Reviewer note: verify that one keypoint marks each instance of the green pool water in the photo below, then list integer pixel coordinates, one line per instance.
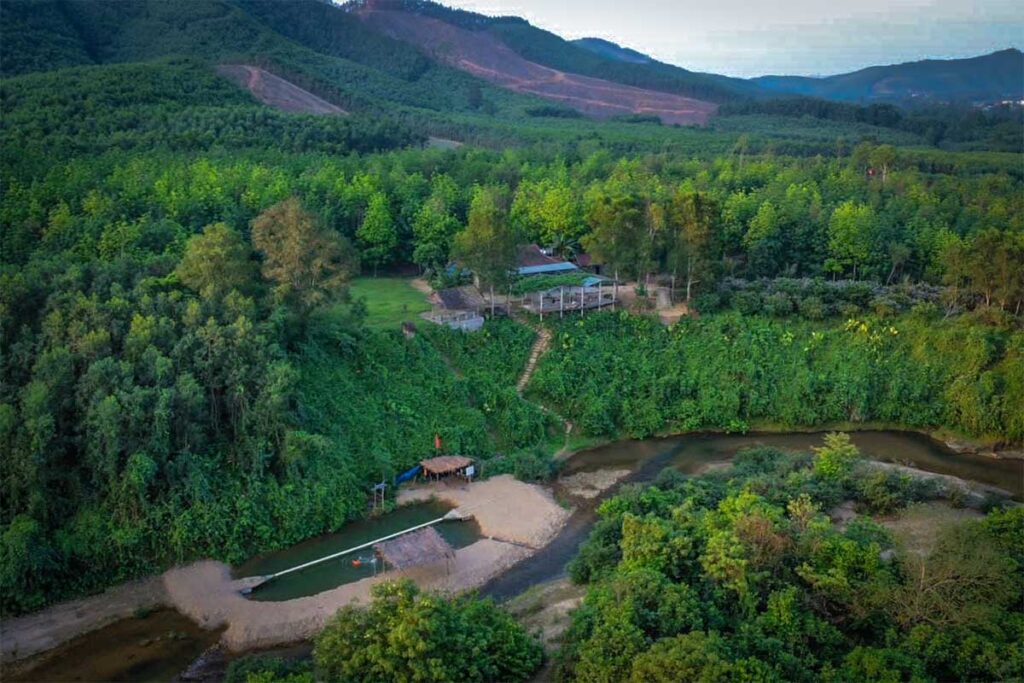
(334, 573)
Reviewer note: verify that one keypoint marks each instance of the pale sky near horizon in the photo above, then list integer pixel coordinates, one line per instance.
(797, 37)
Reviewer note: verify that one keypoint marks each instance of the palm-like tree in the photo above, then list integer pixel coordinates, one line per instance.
(565, 247)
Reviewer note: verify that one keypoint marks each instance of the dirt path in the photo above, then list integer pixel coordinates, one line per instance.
(275, 91)
(517, 518)
(540, 347)
(421, 285)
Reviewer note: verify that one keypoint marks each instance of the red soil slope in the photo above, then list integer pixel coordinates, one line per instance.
(482, 54)
(276, 92)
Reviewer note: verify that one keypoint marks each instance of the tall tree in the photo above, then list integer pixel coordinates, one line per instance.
(309, 264)
(217, 261)
(618, 229)
(488, 245)
(694, 217)
(851, 232)
(377, 235)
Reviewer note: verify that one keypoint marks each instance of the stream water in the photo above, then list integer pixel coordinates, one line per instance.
(156, 647)
(144, 650)
(692, 452)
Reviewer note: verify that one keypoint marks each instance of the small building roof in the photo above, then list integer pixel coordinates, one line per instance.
(417, 548)
(531, 260)
(458, 299)
(532, 255)
(445, 464)
(560, 267)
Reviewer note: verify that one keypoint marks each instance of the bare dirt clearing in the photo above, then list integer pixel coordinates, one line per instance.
(482, 54)
(918, 527)
(275, 91)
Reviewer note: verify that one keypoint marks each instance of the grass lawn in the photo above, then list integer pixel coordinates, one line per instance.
(389, 300)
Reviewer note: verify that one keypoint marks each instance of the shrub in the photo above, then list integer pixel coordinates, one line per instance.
(747, 303)
(778, 304)
(812, 308)
(405, 634)
(260, 668)
(835, 460)
(849, 310)
(708, 302)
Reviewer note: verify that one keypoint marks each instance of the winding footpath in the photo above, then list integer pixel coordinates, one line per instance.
(540, 347)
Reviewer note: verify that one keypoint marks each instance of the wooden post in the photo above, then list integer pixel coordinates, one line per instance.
(615, 289)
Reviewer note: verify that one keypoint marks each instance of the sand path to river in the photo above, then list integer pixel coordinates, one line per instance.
(516, 518)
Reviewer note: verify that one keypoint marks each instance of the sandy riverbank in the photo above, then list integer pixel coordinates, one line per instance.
(34, 633)
(518, 518)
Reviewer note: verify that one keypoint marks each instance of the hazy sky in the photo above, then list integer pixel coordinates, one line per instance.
(806, 37)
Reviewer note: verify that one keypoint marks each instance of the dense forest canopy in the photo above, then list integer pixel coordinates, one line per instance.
(741, 576)
(184, 373)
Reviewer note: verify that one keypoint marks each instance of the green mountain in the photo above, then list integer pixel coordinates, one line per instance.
(993, 77)
(314, 44)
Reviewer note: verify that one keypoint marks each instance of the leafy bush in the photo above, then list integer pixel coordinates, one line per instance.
(778, 304)
(707, 302)
(740, 575)
(407, 635)
(269, 669)
(747, 303)
(812, 308)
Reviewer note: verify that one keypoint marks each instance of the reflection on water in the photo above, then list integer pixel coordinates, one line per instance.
(690, 453)
(343, 570)
(154, 648)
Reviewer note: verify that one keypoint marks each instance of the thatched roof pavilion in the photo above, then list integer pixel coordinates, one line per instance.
(445, 464)
(420, 547)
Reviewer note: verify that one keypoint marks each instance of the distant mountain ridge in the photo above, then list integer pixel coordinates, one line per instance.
(991, 77)
(424, 59)
(607, 48)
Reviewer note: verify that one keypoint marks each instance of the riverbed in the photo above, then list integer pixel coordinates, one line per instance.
(695, 453)
(640, 460)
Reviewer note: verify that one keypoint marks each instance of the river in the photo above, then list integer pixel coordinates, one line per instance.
(113, 653)
(693, 452)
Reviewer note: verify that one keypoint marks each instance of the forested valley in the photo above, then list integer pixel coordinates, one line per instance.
(185, 372)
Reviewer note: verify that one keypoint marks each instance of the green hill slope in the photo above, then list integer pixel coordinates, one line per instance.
(995, 76)
(314, 44)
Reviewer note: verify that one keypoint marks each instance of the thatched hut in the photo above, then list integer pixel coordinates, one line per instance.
(422, 547)
(445, 465)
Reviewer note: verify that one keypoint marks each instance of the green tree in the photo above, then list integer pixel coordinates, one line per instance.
(851, 236)
(488, 245)
(217, 261)
(408, 635)
(693, 250)
(309, 264)
(835, 460)
(377, 235)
